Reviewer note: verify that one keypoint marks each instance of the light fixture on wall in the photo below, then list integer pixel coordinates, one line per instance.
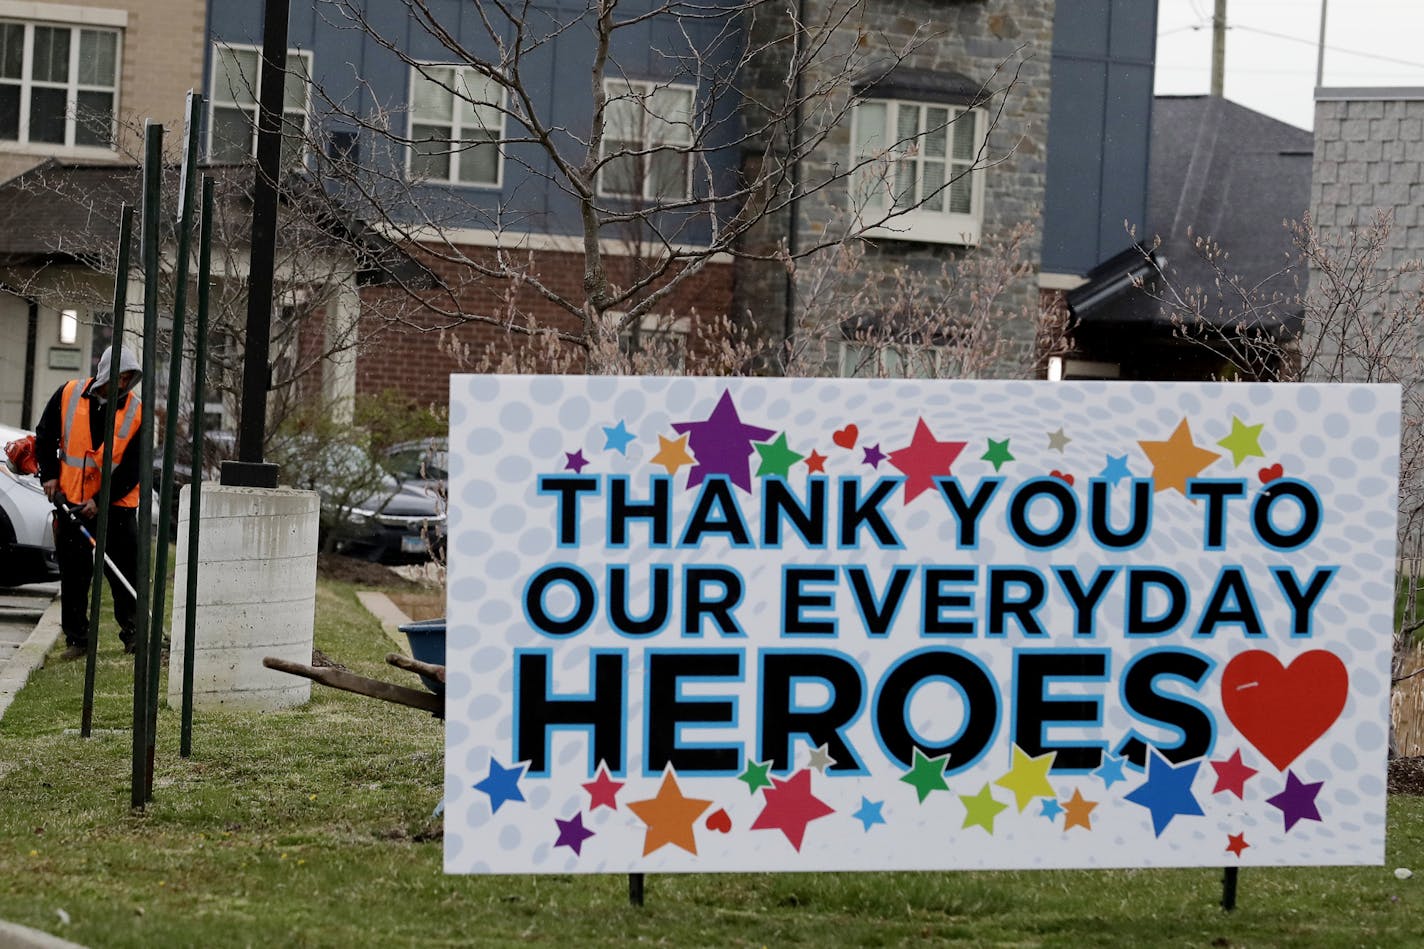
(68, 327)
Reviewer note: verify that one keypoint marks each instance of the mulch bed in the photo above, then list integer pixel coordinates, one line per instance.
(363, 572)
(1406, 776)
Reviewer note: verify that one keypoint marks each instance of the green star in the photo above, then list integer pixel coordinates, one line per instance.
(1028, 778)
(997, 454)
(1243, 442)
(776, 458)
(756, 775)
(926, 774)
(981, 809)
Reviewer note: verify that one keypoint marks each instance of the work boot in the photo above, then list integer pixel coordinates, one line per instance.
(73, 651)
(129, 647)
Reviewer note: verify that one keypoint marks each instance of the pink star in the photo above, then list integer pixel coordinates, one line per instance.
(603, 790)
(1231, 775)
(923, 460)
(790, 806)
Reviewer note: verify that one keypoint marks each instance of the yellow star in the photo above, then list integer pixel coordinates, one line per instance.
(1077, 811)
(670, 817)
(672, 453)
(1028, 778)
(981, 809)
(1177, 459)
(1243, 442)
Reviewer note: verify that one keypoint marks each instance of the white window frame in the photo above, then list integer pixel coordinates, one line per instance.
(27, 83)
(418, 74)
(218, 91)
(644, 89)
(873, 176)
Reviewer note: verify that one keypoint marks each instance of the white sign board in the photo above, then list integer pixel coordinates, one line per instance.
(703, 624)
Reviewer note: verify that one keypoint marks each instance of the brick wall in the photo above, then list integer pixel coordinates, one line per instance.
(414, 350)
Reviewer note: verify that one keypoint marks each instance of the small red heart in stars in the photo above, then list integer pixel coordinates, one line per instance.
(1061, 475)
(720, 821)
(846, 437)
(1267, 475)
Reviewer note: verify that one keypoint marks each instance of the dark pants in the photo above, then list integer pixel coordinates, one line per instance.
(76, 573)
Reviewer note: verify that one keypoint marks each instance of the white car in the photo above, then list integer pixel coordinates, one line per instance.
(26, 538)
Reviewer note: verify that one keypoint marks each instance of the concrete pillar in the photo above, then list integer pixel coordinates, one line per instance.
(256, 596)
(338, 378)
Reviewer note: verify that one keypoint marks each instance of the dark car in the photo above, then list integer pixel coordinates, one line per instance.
(403, 519)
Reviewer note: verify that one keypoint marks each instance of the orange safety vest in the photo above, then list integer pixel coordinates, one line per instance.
(81, 465)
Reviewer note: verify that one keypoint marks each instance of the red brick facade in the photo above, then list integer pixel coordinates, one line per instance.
(416, 352)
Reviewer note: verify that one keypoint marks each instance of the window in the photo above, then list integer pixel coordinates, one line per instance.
(68, 327)
(58, 84)
(236, 91)
(660, 340)
(895, 360)
(917, 161)
(647, 141)
(456, 125)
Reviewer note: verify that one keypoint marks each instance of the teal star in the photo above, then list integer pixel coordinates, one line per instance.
(1111, 770)
(617, 437)
(870, 813)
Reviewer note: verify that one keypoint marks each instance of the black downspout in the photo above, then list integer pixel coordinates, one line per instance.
(793, 206)
(32, 339)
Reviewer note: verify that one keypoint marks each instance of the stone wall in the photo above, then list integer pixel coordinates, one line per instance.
(1003, 44)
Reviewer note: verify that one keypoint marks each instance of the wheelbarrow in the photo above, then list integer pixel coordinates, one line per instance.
(427, 660)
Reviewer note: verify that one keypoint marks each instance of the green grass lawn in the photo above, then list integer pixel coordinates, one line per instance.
(311, 827)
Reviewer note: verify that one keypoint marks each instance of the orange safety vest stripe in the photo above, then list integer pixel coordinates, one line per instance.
(81, 465)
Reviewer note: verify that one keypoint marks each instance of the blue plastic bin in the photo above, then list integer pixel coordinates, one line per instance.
(427, 643)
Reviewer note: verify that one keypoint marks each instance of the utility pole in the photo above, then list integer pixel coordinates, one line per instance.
(1218, 50)
(1320, 55)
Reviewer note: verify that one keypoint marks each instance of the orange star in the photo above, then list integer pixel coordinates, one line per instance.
(670, 817)
(1076, 811)
(672, 454)
(815, 462)
(1177, 459)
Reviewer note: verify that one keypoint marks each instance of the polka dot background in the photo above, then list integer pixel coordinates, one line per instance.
(506, 432)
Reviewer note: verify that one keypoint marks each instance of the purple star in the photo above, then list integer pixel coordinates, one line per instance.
(572, 833)
(575, 462)
(1297, 802)
(723, 444)
(873, 456)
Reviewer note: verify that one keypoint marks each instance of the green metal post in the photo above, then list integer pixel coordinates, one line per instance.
(101, 531)
(152, 189)
(195, 485)
(170, 431)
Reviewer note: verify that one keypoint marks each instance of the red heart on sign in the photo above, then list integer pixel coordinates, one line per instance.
(845, 438)
(1267, 475)
(720, 821)
(1282, 710)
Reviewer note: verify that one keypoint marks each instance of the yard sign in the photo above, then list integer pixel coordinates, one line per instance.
(782, 624)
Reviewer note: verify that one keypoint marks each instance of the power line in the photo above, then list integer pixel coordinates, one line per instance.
(1334, 49)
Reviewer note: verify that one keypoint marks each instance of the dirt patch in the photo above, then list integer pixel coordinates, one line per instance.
(1406, 776)
(419, 604)
(363, 572)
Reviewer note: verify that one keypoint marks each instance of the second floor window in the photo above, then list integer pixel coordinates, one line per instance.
(236, 91)
(58, 84)
(916, 161)
(647, 141)
(456, 125)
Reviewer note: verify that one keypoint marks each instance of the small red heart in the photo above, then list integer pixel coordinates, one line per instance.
(1267, 475)
(846, 437)
(720, 821)
(1282, 710)
(1061, 476)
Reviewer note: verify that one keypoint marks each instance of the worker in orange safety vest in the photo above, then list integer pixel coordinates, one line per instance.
(70, 443)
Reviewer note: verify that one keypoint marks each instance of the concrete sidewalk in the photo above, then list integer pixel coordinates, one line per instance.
(29, 627)
(15, 936)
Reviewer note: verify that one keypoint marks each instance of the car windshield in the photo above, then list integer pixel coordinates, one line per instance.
(418, 463)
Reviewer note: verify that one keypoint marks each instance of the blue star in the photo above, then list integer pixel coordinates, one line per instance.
(502, 785)
(1116, 469)
(1111, 770)
(1051, 808)
(617, 437)
(869, 814)
(1168, 791)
